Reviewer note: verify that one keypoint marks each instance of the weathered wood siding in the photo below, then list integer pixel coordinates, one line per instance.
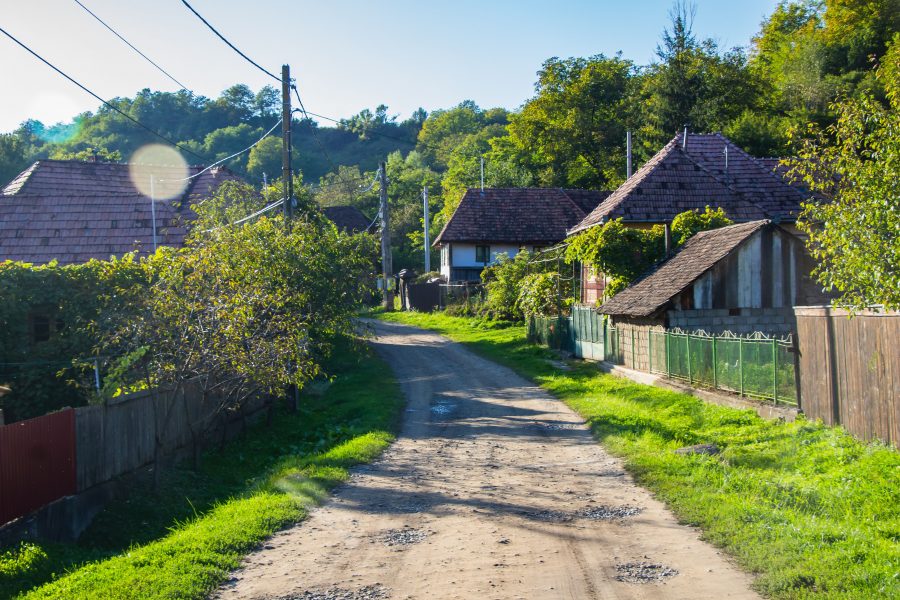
(768, 271)
(850, 370)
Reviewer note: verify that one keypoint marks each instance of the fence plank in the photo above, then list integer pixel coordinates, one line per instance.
(849, 370)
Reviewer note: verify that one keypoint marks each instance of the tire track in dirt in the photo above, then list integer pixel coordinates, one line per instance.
(499, 478)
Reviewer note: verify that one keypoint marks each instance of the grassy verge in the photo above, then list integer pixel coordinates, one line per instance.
(181, 542)
(813, 512)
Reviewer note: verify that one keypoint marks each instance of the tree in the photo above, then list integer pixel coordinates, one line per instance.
(572, 133)
(694, 84)
(854, 163)
(12, 157)
(267, 102)
(265, 157)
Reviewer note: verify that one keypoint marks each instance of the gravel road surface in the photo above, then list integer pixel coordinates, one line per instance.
(494, 489)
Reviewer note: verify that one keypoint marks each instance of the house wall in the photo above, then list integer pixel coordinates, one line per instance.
(770, 321)
(456, 256)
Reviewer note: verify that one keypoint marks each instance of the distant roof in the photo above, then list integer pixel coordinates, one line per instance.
(73, 211)
(347, 218)
(518, 215)
(681, 178)
(653, 290)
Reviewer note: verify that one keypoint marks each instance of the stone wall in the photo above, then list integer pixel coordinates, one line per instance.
(770, 321)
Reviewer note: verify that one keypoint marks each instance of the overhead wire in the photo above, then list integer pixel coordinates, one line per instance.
(230, 45)
(227, 158)
(130, 45)
(104, 102)
(265, 209)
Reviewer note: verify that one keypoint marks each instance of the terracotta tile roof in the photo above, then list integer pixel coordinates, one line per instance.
(73, 211)
(677, 179)
(347, 218)
(518, 215)
(654, 289)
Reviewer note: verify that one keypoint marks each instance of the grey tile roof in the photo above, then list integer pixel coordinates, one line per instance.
(653, 290)
(73, 211)
(677, 179)
(518, 215)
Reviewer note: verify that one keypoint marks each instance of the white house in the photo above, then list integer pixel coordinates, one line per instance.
(497, 221)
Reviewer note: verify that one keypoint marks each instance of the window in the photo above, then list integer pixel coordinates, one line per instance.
(483, 254)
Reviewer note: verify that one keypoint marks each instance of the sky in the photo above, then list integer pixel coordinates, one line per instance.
(346, 55)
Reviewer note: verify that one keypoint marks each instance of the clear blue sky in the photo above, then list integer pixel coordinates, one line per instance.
(345, 54)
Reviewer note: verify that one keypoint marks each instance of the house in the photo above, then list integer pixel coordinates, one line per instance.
(348, 219)
(744, 278)
(497, 221)
(73, 211)
(693, 172)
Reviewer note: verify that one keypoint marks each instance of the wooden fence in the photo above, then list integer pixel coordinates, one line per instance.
(46, 458)
(37, 463)
(850, 370)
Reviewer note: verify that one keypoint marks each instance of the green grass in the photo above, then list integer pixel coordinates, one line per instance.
(182, 541)
(807, 508)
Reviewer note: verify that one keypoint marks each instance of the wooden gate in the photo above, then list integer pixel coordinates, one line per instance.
(37, 463)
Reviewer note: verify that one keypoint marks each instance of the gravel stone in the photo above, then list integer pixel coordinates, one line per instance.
(401, 537)
(610, 513)
(643, 572)
(370, 592)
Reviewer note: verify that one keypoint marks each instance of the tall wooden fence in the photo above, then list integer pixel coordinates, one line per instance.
(37, 463)
(850, 370)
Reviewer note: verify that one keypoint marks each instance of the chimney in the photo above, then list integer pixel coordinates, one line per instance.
(684, 139)
(628, 155)
(668, 239)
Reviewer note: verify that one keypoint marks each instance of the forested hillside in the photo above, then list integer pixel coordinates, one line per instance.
(571, 133)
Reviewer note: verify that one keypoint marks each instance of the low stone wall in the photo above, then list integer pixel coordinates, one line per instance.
(742, 321)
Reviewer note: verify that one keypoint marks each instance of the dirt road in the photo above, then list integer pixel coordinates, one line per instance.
(493, 490)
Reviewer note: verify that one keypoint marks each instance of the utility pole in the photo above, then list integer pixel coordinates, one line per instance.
(288, 181)
(427, 241)
(293, 392)
(387, 267)
(153, 208)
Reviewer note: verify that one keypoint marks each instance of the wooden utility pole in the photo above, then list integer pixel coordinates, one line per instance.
(427, 240)
(288, 180)
(387, 267)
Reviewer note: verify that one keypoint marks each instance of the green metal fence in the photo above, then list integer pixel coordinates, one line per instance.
(553, 332)
(755, 366)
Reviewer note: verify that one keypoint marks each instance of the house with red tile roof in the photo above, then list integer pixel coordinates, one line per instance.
(497, 221)
(691, 173)
(73, 211)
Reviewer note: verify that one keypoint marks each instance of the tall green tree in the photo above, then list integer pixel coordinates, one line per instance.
(572, 133)
(855, 164)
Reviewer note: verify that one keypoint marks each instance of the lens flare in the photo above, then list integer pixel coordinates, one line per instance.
(158, 171)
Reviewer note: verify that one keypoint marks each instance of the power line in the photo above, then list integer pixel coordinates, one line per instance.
(239, 152)
(130, 45)
(111, 106)
(230, 45)
(377, 133)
